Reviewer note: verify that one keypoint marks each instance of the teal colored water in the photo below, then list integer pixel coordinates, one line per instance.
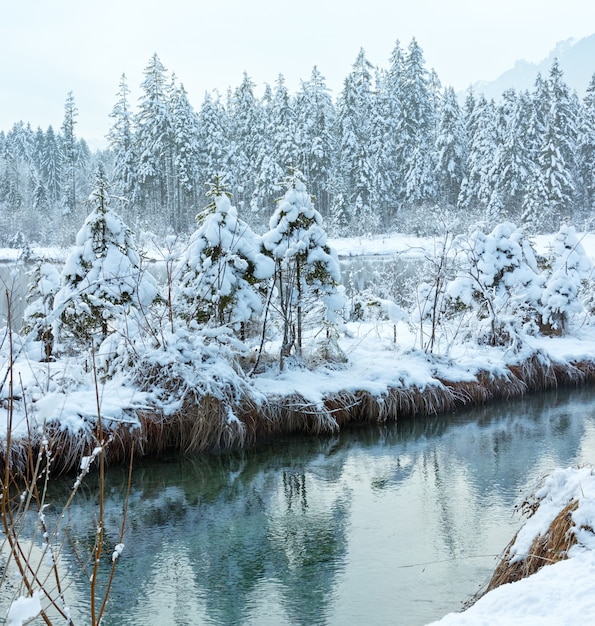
(398, 524)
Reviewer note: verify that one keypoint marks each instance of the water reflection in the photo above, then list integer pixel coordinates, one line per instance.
(379, 525)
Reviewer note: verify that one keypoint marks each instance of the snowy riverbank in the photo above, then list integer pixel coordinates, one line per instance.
(172, 386)
(559, 593)
(380, 380)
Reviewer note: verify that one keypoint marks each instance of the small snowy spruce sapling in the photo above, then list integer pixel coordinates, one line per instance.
(222, 271)
(567, 270)
(45, 283)
(306, 269)
(102, 280)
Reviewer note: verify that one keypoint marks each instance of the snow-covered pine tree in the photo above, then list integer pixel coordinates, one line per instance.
(384, 139)
(586, 150)
(567, 267)
(245, 123)
(52, 161)
(214, 151)
(269, 171)
(355, 176)
(450, 149)
(70, 154)
(315, 119)
(498, 280)
(44, 284)
(513, 160)
(153, 142)
(280, 150)
(306, 269)
(477, 185)
(185, 166)
(221, 275)
(122, 144)
(102, 280)
(416, 129)
(554, 174)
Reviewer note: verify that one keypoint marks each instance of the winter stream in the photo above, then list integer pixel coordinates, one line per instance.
(383, 525)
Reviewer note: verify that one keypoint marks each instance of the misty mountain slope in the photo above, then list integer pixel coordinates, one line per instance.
(575, 59)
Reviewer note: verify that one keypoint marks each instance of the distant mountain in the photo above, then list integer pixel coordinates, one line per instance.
(576, 59)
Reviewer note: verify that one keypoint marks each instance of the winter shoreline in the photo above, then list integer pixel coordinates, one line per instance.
(260, 413)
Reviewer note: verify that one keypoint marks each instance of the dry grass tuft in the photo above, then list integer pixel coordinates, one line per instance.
(213, 414)
(293, 413)
(546, 549)
(536, 373)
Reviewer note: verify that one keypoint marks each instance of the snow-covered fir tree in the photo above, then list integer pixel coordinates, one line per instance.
(586, 149)
(498, 281)
(383, 142)
(212, 140)
(70, 155)
(512, 166)
(185, 157)
(44, 284)
(153, 140)
(450, 149)
(355, 175)
(220, 277)
(554, 173)
(477, 185)
(102, 279)
(122, 144)
(245, 120)
(52, 159)
(567, 268)
(316, 154)
(277, 149)
(306, 269)
(416, 129)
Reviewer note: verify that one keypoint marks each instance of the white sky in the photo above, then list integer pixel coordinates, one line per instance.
(51, 47)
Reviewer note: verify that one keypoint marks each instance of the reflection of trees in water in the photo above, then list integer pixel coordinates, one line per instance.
(221, 528)
(218, 528)
(307, 536)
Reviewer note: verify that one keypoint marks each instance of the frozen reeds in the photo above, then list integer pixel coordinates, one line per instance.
(546, 549)
(200, 412)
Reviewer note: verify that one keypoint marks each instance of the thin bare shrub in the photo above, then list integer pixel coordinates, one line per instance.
(34, 578)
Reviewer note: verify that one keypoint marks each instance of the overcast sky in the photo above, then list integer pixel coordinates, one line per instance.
(51, 47)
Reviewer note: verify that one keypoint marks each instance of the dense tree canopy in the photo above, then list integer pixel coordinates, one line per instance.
(392, 146)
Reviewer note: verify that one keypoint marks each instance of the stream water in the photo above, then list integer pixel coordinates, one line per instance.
(397, 524)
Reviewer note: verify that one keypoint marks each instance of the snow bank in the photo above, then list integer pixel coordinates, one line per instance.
(561, 593)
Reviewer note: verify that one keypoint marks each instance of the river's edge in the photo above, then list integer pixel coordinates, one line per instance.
(545, 574)
(203, 424)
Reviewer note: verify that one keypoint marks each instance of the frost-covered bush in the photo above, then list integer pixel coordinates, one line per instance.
(567, 269)
(102, 280)
(222, 273)
(498, 280)
(306, 269)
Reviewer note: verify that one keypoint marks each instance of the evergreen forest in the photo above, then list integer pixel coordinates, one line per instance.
(394, 151)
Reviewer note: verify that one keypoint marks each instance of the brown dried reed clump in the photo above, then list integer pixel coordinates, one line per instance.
(551, 547)
(217, 414)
